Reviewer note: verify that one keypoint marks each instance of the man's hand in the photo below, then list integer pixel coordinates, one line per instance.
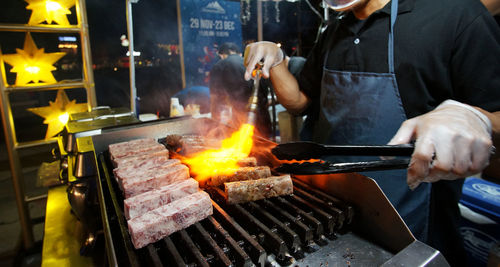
(267, 51)
(452, 141)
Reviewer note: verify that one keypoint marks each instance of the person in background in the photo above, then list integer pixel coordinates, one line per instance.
(396, 72)
(195, 95)
(230, 92)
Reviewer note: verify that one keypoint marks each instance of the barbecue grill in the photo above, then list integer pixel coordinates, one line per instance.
(335, 219)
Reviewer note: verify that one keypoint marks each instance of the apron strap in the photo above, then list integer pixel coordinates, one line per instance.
(390, 54)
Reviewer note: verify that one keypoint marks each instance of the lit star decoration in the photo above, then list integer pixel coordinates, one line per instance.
(57, 113)
(32, 64)
(49, 11)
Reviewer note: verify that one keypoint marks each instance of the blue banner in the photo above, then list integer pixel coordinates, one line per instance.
(205, 25)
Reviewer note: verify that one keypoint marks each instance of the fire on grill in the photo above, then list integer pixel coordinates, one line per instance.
(160, 200)
(241, 221)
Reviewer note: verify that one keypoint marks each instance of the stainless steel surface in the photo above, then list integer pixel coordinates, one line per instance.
(417, 254)
(376, 218)
(347, 250)
(155, 129)
(85, 164)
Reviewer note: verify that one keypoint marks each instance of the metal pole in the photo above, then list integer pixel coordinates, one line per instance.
(14, 163)
(130, 32)
(88, 73)
(259, 21)
(181, 45)
(326, 11)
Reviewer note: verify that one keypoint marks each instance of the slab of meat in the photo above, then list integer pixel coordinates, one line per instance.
(139, 174)
(251, 190)
(142, 203)
(152, 161)
(247, 162)
(133, 147)
(242, 173)
(137, 151)
(190, 144)
(154, 179)
(126, 161)
(170, 218)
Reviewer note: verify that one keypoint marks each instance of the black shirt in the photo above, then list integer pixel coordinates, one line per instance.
(444, 49)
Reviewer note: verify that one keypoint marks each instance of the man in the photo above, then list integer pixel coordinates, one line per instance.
(230, 92)
(381, 62)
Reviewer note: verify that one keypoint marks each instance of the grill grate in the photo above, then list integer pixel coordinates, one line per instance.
(276, 231)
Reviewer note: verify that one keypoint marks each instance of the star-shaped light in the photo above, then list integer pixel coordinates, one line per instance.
(57, 113)
(32, 64)
(50, 11)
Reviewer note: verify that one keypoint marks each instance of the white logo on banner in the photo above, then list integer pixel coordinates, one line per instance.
(488, 191)
(214, 7)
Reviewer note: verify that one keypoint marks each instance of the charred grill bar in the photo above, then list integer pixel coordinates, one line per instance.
(311, 227)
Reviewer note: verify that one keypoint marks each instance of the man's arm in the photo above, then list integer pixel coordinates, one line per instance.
(287, 89)
(284, 83)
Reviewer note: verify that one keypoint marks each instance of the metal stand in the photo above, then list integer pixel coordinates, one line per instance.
(8, 121)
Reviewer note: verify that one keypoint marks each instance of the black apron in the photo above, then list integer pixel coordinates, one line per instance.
(365, 108)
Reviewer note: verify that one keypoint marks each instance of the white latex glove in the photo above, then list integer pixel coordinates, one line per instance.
(452, 141)
(255, 52)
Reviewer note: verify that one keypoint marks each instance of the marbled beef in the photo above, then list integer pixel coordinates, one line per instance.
(170, 218)
(154, 179)
(142, 203)
(126, 161)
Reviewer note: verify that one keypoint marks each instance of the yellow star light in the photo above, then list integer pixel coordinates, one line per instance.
(32, 64)
(57, 113)
(50, 11)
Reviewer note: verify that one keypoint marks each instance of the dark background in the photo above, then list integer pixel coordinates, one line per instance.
(158, 71)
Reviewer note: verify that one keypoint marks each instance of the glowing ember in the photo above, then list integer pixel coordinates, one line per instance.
(208, 163)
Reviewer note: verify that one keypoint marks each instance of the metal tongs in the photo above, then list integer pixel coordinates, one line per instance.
(311, 150)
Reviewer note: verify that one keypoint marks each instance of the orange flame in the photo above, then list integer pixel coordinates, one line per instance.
(223, 161)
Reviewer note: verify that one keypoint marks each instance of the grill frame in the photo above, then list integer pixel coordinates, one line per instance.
(382, 229)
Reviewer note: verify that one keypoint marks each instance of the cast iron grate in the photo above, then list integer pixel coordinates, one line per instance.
(276, 231)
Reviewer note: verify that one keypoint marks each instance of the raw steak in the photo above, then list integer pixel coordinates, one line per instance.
(170, 218)
(154, 180)
(136, 151)
(142, 203)
(139, 173)
(122, 162)
(128, 148)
